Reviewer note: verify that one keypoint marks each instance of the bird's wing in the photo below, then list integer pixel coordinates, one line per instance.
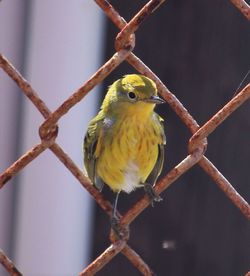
(91, 149)
(158, 166)
(160, 159)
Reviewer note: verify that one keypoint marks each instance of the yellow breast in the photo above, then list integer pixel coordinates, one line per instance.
(128, 154)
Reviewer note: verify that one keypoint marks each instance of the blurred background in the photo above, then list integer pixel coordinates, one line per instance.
(49, 225)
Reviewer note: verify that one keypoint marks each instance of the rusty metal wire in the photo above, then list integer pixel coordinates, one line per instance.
(8, 265)
(243, 7)
(124, 45)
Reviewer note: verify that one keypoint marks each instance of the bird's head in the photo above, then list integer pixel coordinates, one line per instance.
(132, 94)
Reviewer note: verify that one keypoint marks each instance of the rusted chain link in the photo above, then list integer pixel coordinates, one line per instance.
(104, 258)
(243, 7)
(8, 265)
(225, 186)
(124, 45)
(99, 76)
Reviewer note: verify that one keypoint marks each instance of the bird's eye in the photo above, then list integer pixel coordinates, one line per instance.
(131, 95)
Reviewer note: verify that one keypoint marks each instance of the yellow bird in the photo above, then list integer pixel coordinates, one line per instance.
(124, 143)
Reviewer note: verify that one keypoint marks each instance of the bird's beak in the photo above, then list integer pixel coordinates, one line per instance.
(155, 100)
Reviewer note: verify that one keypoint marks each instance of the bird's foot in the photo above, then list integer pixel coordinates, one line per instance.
(149, 190)
(116, 226)
(120, 232)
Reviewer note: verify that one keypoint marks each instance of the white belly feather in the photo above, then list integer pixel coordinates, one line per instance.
(131, 178)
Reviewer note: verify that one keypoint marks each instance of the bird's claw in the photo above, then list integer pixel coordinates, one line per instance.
(116, 227)
(120, 232)
(149, 190)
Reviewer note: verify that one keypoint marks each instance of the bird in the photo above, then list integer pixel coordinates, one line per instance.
(124, 143)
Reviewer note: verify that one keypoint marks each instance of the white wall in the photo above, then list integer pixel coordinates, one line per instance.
(11, 40)
(54, 213)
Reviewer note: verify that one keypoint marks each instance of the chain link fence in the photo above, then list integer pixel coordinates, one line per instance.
(124, 45)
